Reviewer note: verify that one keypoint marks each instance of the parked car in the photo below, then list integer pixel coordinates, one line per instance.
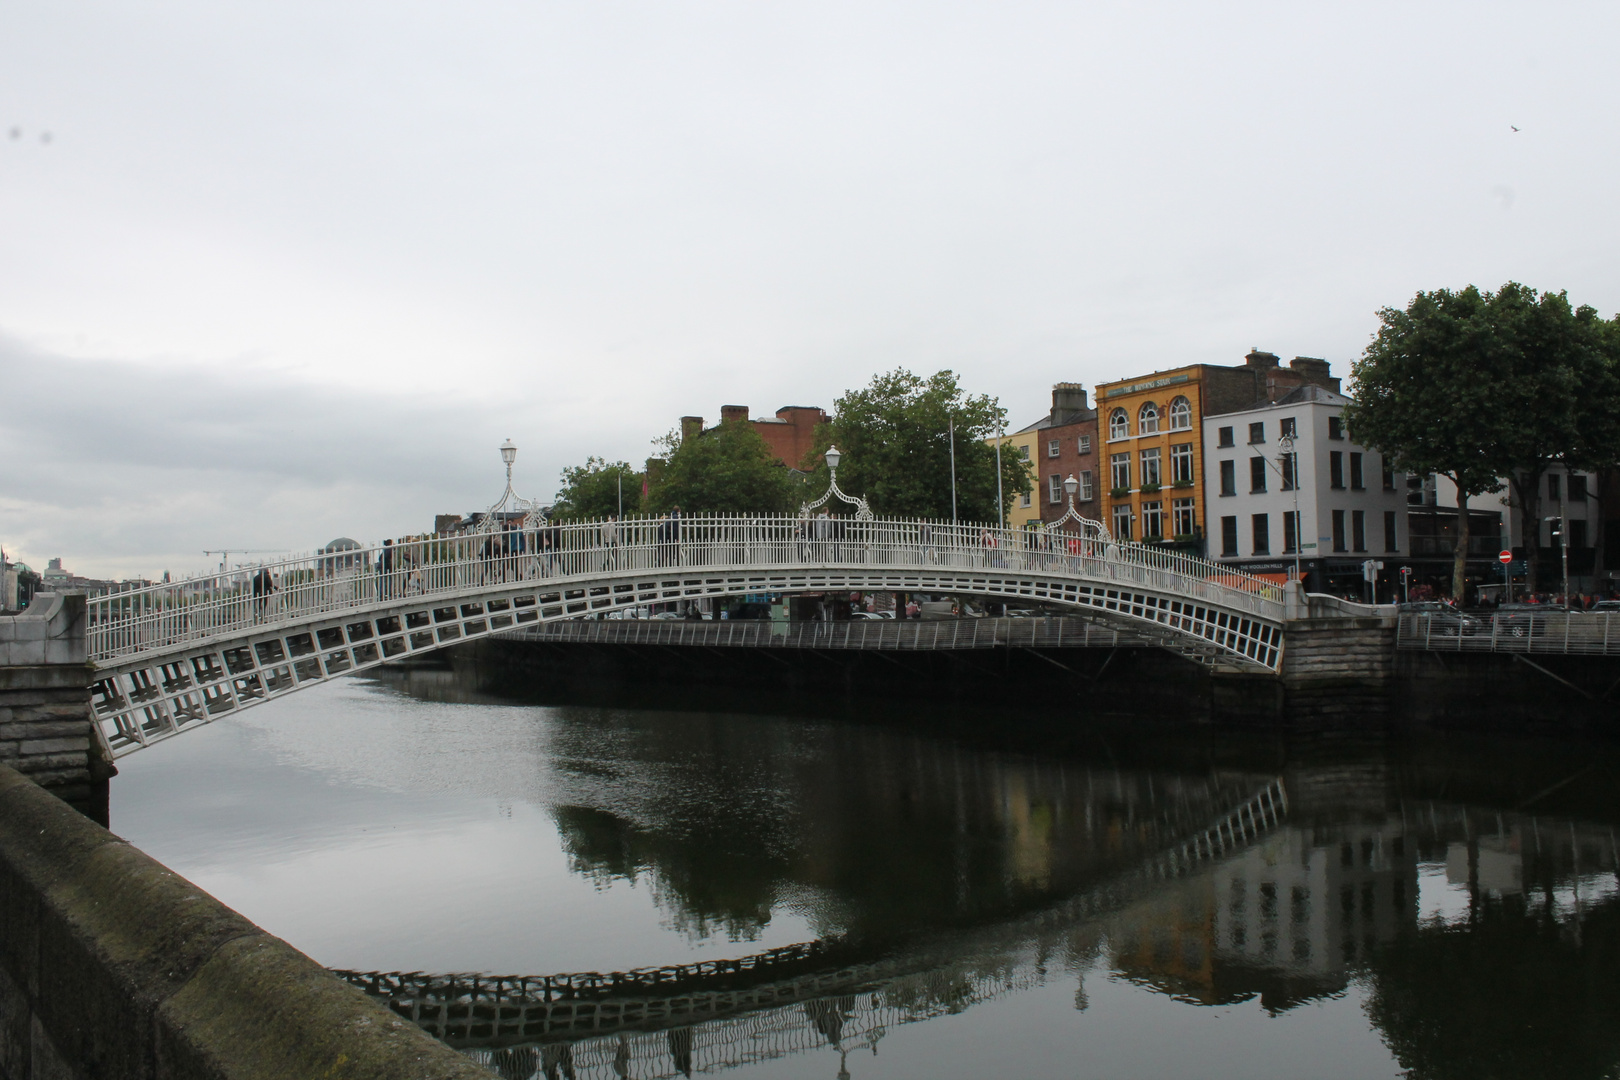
(1443, 619)
(1606, 605)
(1522, 620)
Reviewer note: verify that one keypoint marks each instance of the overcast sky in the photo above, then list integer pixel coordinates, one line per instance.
(274, 273)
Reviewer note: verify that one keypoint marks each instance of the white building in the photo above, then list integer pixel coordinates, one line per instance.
(1348, 508)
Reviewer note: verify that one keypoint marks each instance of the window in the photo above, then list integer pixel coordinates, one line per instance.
(1150, 467)
(1290, 471)
(1086, 494)
(1338, 530)
(1023, 451)
(1552, 487)
(1389, 474)
(1290, 532)
(1180, 415)
(1577, 488)
(1181, 465)
(1223, 437)
(1118, 426)
(1262, 534)
(1358, 530)
(1392, 542)
(1122, 523)
(1052, 448)
(1119, 466)
(1257, 433)
(1182, 521)
(1147, 419)
(1335, 427)
(1257, 475)
(1229, 477)
(1229, 536)
(1023, 501)
(1082, 445)
(1336, 470)
(1577, 534)
(1054, 489)
(1287, 429)
(1357, 481)
(1153, 520)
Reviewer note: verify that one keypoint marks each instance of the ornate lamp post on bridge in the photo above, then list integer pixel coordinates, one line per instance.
(493, 517)
(863, 512)
(1088, 527)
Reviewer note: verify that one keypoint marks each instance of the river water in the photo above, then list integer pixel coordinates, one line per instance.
(911, 898)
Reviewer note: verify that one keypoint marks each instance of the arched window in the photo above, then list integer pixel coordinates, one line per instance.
(1147, 421)
(1118, 426)
(1180, 415)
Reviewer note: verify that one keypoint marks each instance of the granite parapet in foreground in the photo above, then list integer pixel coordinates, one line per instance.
(112, 965)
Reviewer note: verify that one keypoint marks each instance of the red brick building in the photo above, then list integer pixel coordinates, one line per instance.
(1061, 444)
(790, 433)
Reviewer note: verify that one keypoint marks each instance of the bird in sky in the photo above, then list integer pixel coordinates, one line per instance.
(1514, 128)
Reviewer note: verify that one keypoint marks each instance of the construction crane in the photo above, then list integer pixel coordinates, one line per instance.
(226, 553)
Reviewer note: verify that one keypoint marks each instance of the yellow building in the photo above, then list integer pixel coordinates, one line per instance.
(1151, 431)
(1025, 508)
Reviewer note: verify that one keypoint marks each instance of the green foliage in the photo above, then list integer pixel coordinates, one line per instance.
(727, 470)
(592, 490)
(1477, 386)
(896, 452)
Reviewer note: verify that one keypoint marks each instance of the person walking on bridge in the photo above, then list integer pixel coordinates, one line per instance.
(263, 586)
(385, 571)
(610, 543)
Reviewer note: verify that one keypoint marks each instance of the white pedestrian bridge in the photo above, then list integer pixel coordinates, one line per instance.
(177, 655)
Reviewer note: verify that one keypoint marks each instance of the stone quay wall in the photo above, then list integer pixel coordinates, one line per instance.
(112, 965)
(47, 730)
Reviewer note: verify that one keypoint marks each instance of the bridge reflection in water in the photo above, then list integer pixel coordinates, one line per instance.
(1271, 902)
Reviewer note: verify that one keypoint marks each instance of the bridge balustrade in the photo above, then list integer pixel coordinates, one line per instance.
(308, 587)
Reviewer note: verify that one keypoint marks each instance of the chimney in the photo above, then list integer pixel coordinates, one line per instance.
(1068, 398)
(1314, 371)
(1261, 360)
(691, 427)
(733, 412)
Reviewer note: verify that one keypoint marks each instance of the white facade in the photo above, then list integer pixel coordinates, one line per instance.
(1348, 508)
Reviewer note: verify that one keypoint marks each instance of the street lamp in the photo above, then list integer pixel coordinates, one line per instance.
(1290, 473)
(833, 458)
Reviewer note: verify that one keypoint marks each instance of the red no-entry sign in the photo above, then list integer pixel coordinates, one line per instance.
(1505, 557)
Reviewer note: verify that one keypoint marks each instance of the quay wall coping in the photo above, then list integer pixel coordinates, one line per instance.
(50, 631)
(113, 965)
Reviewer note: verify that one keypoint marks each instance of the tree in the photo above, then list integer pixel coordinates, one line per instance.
(1426, 397)
(1476, 386)
(1559, 397)
(597, 489)
(895, 437)
(726, 470)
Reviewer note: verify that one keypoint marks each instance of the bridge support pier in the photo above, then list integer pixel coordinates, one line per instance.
(1339, 671)
(47, 730)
